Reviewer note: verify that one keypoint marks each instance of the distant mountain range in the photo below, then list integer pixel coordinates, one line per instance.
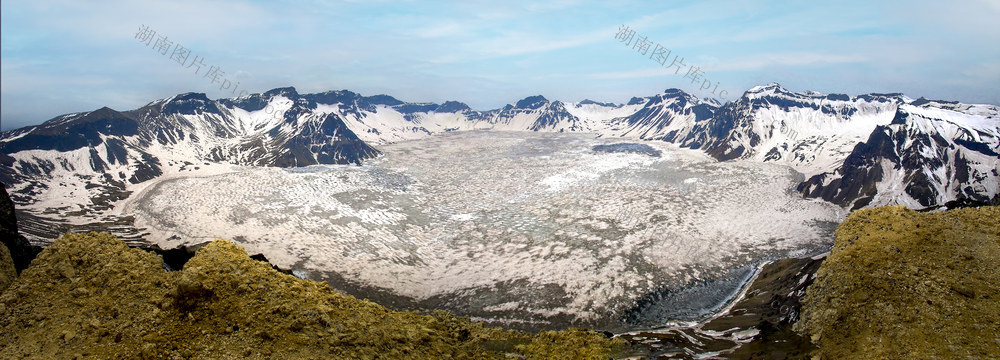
(855, 151)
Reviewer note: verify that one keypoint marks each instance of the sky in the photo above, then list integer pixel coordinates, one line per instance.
(59, 57)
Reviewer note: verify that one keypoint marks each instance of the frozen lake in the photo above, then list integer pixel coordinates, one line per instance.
(523, 229)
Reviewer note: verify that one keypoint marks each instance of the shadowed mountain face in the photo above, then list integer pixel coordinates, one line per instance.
(21, 252)
(855, 151)
(81, 164)
(217, 131)
(930, 155)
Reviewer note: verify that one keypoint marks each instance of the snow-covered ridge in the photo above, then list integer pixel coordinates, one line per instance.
(108, 153)
(927, 155)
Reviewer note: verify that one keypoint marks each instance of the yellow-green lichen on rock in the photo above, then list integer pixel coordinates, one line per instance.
(90, 296)
(901, 284)
(568, 344)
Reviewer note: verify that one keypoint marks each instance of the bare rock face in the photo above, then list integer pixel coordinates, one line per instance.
(19, 249)
(901, 284)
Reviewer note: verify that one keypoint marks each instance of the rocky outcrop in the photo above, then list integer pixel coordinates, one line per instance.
(19, 249)
(91, 296)
(7, 272)
(901, 284)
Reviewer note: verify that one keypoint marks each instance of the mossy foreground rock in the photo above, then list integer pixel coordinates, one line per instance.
(900, 284)
(90, 296)
(7, 272)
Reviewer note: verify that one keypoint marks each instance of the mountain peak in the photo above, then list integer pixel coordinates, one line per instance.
(531, 102)
(636, 100)
(453, 106)
(768, 88)
(190, 96)
(287, 91)
(674, 92)
(592, 102)
(382, 99)
(925, 101)
(189, 103)
(773, 90)
(96, 115)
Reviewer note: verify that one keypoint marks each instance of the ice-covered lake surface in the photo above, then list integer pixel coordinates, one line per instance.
(522, 229)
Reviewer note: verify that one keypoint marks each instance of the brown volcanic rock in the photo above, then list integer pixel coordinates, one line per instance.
(90, 296)
(900, 284)
(7, 272)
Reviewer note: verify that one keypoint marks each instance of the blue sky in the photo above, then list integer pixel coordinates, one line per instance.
(68, 56)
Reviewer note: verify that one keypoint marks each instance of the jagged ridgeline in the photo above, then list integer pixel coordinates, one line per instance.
(851, 150)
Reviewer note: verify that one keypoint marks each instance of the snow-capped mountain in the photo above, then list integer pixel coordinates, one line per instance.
(810, 132)
(110, 148)
(930, 153)
(81, 164)
(935, 152)
(856, 151)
